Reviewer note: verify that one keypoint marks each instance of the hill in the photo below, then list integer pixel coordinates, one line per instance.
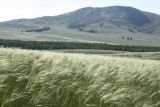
(47, 79)
(108, 24)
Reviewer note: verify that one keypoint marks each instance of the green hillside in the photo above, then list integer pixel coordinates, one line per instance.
(108, 24)
(54, 79)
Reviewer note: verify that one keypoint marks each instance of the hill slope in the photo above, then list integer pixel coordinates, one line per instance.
(108, 24)
(46, 79)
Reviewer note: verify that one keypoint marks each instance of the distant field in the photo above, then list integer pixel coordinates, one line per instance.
(72, 35)
(55, 45)
(56, 79)
(139, 55)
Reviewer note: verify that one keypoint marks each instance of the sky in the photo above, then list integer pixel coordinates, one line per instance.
(15, 9)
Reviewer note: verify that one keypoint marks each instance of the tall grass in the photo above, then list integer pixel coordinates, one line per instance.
(48, 79)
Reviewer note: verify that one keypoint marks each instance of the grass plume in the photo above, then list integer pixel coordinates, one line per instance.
(50, 79)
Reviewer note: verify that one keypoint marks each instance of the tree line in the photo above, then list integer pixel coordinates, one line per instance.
(37, 30)
(52, 45)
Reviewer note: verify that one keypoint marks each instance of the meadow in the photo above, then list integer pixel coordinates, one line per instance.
(113, 53)
(113, 36)
(56, 79)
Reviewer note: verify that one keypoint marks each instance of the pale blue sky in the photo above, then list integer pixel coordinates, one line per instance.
(14, 9)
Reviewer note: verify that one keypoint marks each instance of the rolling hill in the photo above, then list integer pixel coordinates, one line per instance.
(113, 25)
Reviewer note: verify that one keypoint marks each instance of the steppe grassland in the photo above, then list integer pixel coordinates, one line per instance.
(53, 79)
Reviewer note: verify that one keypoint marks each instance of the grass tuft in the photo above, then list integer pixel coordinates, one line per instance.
(50, 79)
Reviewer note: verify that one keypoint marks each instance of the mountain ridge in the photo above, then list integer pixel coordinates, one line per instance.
(89, 24)
(117, 15)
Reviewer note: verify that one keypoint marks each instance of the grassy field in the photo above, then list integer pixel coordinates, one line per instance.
(139, 55)
(72, 35)
(56, 79)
